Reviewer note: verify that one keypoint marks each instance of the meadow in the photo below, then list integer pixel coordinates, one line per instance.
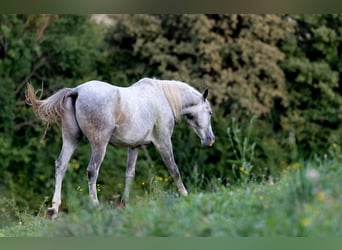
(305, 201)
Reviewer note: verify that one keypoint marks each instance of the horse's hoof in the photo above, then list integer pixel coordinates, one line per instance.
(51, 213)
(121, 204)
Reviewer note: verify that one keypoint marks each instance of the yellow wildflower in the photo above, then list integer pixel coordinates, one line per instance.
(295, 165)
(320, 196)
(305, 222)
(187, 235)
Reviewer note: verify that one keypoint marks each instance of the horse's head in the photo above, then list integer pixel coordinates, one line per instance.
(198, 117)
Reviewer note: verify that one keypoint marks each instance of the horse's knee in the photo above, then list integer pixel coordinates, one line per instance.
(174, 172)
(60, 167)
(130, 176)
(58, 163)
(90, 173)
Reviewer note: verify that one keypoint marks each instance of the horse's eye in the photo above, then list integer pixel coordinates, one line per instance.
(210, 112)
(189, 116)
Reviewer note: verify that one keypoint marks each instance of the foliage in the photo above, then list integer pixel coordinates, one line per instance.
(313, 77)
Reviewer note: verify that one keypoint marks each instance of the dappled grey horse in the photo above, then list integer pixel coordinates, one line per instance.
(134, 116)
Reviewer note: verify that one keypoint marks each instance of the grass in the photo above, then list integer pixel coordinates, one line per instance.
(305, 201)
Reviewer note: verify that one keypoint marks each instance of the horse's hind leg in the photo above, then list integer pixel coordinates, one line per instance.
(98, 151)
(71, 136)
(130, 173)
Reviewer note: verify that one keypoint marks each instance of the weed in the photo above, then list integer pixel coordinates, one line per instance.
(243, 150)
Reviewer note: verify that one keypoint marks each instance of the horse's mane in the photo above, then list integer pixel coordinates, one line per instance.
(172, 93)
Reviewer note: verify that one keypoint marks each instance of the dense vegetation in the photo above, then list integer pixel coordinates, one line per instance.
(305, 202)
(274, 80)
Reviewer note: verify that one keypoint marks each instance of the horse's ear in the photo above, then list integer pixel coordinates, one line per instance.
(205, 93)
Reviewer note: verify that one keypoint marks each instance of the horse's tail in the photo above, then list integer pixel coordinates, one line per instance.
(49, 110)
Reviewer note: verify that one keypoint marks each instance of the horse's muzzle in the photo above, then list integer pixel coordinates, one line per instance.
(208, 142)
(212, 141)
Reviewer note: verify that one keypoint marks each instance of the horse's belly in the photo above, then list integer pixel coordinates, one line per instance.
(130, 139)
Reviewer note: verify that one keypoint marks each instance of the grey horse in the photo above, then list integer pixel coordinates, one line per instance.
(121, 116)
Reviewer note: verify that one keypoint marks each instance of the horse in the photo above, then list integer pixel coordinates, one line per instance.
(133, 116)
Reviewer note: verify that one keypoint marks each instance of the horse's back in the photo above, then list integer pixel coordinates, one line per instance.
(94, 87)
(96, 95)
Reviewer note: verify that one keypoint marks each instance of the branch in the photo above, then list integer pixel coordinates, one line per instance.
(36, 67)
(22, 124)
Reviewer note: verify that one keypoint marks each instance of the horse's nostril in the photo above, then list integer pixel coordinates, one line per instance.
(210, 141)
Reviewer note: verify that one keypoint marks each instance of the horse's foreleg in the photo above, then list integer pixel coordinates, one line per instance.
(165, 150)
(130, 173)
(97, 156)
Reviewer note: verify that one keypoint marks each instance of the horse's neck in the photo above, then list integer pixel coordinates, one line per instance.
(189, 96)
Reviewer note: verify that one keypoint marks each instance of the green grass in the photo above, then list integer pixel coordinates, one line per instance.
(305, 201)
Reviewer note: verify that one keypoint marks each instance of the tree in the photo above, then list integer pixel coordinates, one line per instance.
(313, 72)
